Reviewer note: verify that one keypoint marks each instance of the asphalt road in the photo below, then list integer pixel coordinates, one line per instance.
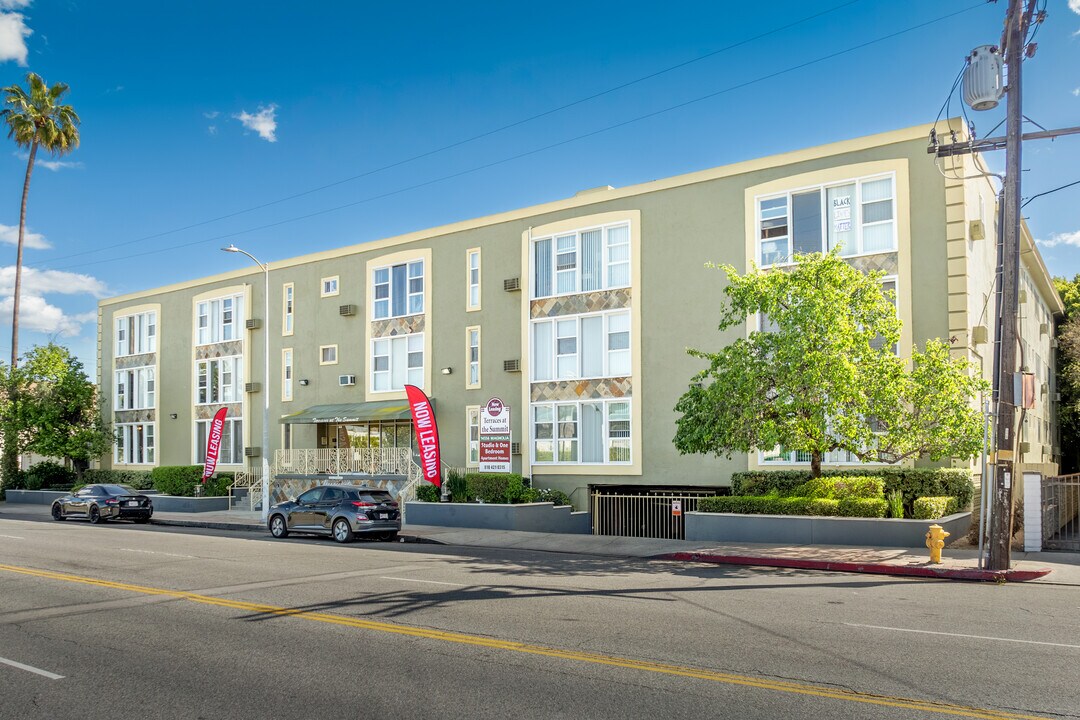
(142, 621)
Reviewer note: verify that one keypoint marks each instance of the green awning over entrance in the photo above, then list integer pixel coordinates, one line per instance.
(352, 413)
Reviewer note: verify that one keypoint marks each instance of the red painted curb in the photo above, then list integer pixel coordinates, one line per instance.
(871, 568)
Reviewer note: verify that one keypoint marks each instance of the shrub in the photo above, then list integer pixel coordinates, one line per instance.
(457, 487)
(863, 507)
(48, 474)
(537, 495)
(896, 504)
(183, 479)
(839, 488)
(135, 478)
(427, 492)
(776, 505)
(496, 488)
(932, 508)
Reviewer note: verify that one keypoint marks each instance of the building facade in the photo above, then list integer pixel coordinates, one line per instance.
(576, 313)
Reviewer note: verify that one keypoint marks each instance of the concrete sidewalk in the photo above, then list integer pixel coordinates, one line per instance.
(959, 564)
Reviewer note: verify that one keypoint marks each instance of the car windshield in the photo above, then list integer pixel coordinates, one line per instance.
(120, 490)
(376, 497)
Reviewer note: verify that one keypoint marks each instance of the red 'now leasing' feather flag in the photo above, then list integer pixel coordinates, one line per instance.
(427, 433)
(213, 443)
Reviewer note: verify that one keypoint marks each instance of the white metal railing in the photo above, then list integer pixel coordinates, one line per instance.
(382, 461)
(250, 480)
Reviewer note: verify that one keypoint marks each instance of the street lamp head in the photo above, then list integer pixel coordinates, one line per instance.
(231, 248)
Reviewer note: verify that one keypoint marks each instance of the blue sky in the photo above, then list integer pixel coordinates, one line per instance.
(193, 111)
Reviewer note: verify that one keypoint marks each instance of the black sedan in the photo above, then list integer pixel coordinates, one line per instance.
(98, 503)
(341, 511)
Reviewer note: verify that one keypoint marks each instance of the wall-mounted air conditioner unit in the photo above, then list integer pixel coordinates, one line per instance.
(253, 323)
(512, 284)
(346, 380)
(979, 335)
(252, 451)
(251, 387)
(515, 448)
(512, 365)
(347, 310)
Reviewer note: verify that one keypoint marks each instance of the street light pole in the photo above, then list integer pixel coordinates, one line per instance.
(265, 452)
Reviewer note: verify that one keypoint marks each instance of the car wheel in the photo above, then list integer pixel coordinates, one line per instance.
(342, 530)
(278, 528)
(57, 512)
(388, 536)
(95, 514)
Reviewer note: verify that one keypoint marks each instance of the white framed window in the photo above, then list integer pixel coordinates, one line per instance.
(136, 334)
(328, 354)
(472, 422)
(472, 357)
(219, 319)
(219, 381)
(286, 375)
(134, 444)
(135, 389)
(329, 286)
(396, 362)
(287, 296)
(472, 269)
(594, 432)
(584, 260)
(398, 290)
(858, 216)
(581, 346)
(231, 450)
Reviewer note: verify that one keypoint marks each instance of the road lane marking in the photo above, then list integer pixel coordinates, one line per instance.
(157, 552)
(432, 582)
(31, 668)
(822, 691)
(962, 635)
(13, 537)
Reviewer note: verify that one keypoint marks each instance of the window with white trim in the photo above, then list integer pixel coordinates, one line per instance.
(219, 320)
(287, 295)
(581, 346)
(396, 362)
(472, 354)
(136, 334)
(329, 286)
(134, 444)
(398, 290)
(231, 451)
(858, 216)
(287, 374)
(473, 267)
(135, 389)
(328, 354)
(581, 433)
(472, 422)
(219, 381)
(581, 261)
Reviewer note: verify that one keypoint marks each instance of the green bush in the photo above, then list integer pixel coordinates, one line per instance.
(776, 505)
(48, 474)
(535, 495)
(912, 482)
(932, 508)
(839, 488)
(497, 488)
(457, 487)
(896, 504)
(137, 479)
(427, 493)
(863, 507)
(183, 479)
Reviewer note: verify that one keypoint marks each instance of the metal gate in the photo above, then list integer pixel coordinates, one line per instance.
(1061, 513)
(648, 514)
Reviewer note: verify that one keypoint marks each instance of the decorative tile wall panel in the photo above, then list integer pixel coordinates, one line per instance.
(392, 327)
(130, 361)
(219, 350)
(583, 303)
(581, 390)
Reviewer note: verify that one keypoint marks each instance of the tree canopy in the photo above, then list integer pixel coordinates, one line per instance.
(1068, 377)
(821, 374)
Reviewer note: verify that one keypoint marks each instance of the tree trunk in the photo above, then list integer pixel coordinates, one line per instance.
(815, 464)
(19, 259)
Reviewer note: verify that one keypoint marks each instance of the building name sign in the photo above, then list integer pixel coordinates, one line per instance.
(495, 437)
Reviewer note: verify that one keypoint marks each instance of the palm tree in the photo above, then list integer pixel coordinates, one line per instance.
(35, 119)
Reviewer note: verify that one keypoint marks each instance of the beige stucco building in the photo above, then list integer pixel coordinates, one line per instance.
(575, 313)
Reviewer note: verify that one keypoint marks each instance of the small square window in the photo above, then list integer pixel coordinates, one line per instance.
(328, 355)
(330, 286)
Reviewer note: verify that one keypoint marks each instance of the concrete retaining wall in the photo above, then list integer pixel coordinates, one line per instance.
(34, 497)
(162, 503)
(530, 517)
(802, 530)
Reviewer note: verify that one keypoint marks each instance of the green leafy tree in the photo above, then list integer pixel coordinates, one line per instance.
(1068, 335)
(56, 410)
(823, 375)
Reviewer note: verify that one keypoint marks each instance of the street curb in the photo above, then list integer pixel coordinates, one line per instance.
(252, 527)
(869, 568)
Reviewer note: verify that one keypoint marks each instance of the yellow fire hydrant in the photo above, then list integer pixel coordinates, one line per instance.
(935, 540)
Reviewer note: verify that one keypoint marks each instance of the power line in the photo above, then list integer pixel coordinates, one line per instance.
(459, 143)
(544, 148)
(1069, 185)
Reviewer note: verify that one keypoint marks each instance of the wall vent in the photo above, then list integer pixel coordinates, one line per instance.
(251, 387)
(512, 365)
(979, 335)
(515, 448)
(346, 380)
(976, 230)
(347, 310)
(253, 323)
(512, 284)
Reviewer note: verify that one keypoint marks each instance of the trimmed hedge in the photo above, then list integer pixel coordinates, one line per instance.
(140, 480)
(840, 488)
(499, 488)
(427, 492)
(912, 482)
(183, 479)
(536, 495)
(776, 505)
(48, 474)
(932, 508)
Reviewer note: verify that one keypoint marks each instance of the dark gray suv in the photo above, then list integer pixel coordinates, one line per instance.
(340, 511)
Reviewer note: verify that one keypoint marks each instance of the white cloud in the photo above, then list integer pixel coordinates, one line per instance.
(1070, 238)
(263, 122)
(35, 241)
(14, 4)
(37, 313)
(212, 129)
(13, 34)
(1074, 5)
(53, 165)
(1076, 92)
(211, 114)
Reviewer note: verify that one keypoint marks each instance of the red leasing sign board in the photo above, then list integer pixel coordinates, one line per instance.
(495, 437)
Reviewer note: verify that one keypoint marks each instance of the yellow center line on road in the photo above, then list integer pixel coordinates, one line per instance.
(526, 648)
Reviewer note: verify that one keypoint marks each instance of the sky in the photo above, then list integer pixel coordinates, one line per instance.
(288, 129)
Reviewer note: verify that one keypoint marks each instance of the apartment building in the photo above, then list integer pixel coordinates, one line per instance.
(576, 313)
